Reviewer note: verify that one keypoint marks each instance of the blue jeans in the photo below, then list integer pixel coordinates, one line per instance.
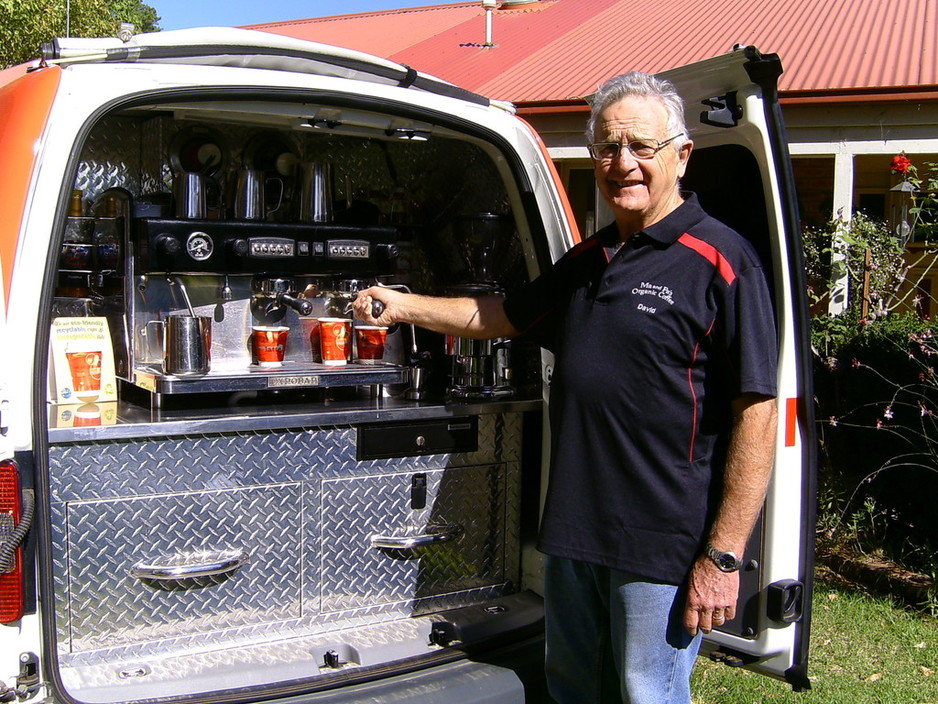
(614, 638)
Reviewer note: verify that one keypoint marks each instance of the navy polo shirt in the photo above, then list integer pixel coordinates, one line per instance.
(652, 342)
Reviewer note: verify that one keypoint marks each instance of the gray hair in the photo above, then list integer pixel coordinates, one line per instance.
(645, 85)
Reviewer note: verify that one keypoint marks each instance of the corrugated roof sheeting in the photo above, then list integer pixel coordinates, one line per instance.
(561, 49)
(380, 33)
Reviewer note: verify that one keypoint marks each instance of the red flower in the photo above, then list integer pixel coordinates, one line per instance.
(900, 164)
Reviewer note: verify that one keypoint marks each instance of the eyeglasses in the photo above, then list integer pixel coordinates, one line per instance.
(640, 149)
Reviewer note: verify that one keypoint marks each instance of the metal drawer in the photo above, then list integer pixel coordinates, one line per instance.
(415, 438)
(119, 552)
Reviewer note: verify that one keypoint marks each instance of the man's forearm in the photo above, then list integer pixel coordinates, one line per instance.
(748, 470)
(463, 317)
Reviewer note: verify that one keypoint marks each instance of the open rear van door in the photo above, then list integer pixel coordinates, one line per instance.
(741, 171)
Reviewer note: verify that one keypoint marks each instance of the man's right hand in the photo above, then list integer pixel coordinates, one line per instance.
(364, 306)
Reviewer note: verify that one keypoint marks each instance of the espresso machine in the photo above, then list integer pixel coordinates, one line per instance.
(251, 273)
(479, 369)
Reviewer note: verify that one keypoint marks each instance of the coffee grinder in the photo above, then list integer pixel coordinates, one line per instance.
(480, 369)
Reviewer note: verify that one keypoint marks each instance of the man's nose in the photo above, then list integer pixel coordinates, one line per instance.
(623, 157)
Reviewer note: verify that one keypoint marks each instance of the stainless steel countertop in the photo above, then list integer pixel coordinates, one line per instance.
(135, 421)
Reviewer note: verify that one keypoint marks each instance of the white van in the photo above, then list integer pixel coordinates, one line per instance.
(186, 519)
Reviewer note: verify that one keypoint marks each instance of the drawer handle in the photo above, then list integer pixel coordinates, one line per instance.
(191, 565)
(436, 534)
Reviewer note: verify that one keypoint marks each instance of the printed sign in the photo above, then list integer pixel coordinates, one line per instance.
(82, 365)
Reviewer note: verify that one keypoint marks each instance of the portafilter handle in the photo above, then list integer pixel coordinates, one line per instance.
(301, 305)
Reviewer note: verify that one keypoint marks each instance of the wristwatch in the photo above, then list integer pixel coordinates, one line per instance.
(726, 561)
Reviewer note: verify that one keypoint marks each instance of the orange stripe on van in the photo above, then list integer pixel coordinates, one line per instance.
(791, 421)
(558, 183)
(24, 109)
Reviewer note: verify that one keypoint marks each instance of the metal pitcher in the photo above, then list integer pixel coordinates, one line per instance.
(250, 202)
(189, 194)
(315, 192)
(187, 345)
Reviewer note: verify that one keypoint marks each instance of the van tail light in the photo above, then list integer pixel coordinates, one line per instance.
(14, 524)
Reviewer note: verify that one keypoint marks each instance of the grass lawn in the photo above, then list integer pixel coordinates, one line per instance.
(864, 650)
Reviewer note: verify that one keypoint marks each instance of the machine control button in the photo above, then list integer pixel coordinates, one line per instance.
(272, 247)
(240, 247)
(348, 249)
(167, 244)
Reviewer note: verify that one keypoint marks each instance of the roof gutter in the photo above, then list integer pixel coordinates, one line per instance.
(791, 97)
(890, 94)
(552, 107)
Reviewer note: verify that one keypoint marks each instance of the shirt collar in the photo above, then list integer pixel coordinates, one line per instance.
(680, 220)
(666, 231)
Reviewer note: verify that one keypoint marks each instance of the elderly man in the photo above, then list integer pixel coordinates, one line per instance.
(662, 410)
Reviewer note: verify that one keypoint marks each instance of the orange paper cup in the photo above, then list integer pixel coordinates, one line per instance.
(315, 344)
(269, 344)
(370, 340)
(89, 414)
(85, 367)
(335, 339)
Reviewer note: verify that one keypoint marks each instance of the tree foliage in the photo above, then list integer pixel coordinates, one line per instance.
(26, 24)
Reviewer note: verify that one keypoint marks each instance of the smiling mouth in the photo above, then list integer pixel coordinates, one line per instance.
(626, 184)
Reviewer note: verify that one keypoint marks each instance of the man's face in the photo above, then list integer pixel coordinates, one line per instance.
(639, 191)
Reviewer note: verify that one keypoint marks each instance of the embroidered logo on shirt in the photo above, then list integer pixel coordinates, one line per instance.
(651, 295)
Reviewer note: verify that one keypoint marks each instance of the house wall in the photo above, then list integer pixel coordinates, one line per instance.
(856, 142)
(841, 152)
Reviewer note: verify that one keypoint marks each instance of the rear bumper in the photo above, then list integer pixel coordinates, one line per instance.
(512, 674)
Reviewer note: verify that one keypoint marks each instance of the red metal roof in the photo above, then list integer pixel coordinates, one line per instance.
(560, 50)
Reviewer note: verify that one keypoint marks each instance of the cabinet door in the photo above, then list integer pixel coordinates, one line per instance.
(413, 537)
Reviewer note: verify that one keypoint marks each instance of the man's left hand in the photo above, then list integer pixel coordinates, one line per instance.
(711, 597)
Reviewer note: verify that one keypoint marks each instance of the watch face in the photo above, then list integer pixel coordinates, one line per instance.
(200, 246)
(726, 561)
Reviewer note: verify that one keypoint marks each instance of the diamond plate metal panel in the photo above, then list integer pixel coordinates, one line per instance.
(110, 158)
(121, 476)
(468, 500)
(108, 469)
(107, 538)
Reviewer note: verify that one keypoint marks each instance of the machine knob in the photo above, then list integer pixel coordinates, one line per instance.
(388, 251)
(167, 244)
(240, 247)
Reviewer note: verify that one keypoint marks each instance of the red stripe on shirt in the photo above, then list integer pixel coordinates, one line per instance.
(693, 394)
(711, 254)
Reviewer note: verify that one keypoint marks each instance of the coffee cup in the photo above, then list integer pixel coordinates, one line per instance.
(335, 340)
(84, 363)
(87, 415)
(268, 344)
(370, 341)
(311, 328)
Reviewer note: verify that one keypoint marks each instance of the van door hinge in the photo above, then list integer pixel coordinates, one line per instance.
(27, 681)
(724, 111)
